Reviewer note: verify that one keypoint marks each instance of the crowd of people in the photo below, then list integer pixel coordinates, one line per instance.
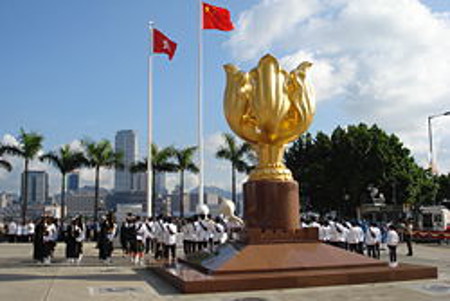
(162, 236)
(19, 232)
(362, 237)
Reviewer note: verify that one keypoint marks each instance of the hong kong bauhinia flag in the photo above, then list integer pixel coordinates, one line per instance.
(215, 17)
(162, 44)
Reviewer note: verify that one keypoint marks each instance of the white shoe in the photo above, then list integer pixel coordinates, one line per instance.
(393, 264)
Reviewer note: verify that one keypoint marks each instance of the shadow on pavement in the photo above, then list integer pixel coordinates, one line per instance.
(161, 286)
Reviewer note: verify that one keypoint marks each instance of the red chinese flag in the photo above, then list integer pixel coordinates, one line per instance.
(162, 44)
(215, 17)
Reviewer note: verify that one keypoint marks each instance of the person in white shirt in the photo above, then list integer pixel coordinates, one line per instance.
(324, 232)
(392, 241)
(150, 235)
(314, 223)
(373, 239)
(12, 231)
(203, 232)
(170, 240)
(361, 238)
(30, 230)
(220, 234)
(50, 234)
(159, 238)
(185, 235)
(81, 236)
(21, 232)
(353, 237)
(337, 234)
(141, 234)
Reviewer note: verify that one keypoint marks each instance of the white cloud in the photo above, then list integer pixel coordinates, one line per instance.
(385, 61)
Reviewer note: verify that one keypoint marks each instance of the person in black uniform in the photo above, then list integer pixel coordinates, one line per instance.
(38, 241)
(72, 250)
(106, 237)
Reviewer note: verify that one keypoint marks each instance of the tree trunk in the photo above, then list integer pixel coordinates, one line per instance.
(25, 193)
(97, 183)
(63, 198)
(153, 192)
(182, 193)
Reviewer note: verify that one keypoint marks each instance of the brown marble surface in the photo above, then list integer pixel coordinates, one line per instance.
(271, 205)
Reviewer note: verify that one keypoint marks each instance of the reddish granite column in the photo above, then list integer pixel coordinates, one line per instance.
(271, 205)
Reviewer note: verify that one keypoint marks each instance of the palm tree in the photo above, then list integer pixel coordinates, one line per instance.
(3, 163)
(29, 146)
(160, 163)
(100, 155)
(184, 162)
(66, 160)
(237, 154)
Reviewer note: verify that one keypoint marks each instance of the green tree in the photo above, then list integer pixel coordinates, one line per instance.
(65, 160)
(161, 162)
(30, 144)
(184, 161)
(444, 188)
(334, 172)
(237, 154)
(100, 155)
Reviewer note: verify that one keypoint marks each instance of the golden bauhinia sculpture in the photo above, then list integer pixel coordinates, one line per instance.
(269, 107)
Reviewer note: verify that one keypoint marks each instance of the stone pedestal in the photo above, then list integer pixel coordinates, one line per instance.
(276, 253)
(271, 205)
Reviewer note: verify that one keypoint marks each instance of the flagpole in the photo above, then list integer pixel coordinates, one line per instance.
(200, 109)
(149, 123)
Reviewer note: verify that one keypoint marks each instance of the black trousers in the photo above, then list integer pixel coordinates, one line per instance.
(353, 247)
(360, 249)
(392, 253)
(371, 251)
(409, 244)
(377, 251)
(170, 250)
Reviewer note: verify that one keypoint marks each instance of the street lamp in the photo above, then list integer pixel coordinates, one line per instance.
(430, 136)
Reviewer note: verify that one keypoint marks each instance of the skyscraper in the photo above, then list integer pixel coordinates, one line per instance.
(160, 183)
(73, 181)
(37, 187)
(126, 143)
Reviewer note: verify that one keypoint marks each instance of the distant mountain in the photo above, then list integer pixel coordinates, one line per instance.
(214, 190)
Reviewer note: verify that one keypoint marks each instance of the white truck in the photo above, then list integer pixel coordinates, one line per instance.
(434, 218)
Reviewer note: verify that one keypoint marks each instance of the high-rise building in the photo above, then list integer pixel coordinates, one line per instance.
(160, 183)
(140, 182)
(126, 143)
(37, 192)
(73, 181)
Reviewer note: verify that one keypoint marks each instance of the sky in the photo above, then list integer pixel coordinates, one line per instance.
(76, 69)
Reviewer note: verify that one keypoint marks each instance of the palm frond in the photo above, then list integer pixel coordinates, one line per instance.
(12, 150)
(5, 164)
(65, 159)
(140, 166)
(31, 143)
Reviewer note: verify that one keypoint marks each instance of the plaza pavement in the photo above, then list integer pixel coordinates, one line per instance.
(22, 280)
